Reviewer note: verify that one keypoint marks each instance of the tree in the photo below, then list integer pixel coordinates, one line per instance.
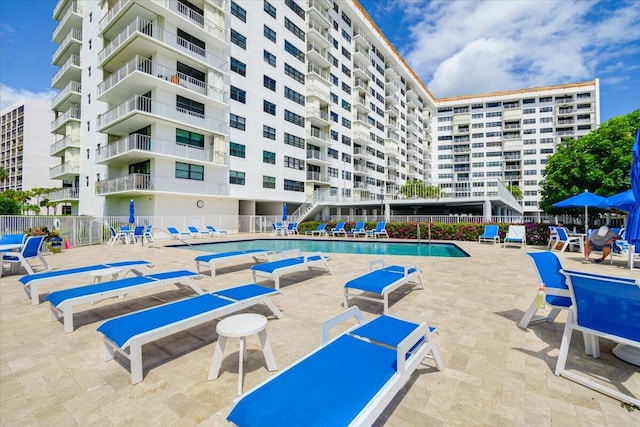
(599, 162)
(418, 189)
(8, 206)
(515, 191)
(3, 174)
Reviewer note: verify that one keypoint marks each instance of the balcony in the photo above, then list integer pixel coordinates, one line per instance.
(360, 72)
(361, 137)
(363, 119)
(362, 55)
(361, 170)
(64, 195)
(392, 164)
(564, 132)
(361, 85)
(138, 184)
(137, 148)
(318, 55)
(564, 100)
(565, 111)
(318, 34)
(392, 125)
(391, 99)
(135, 113)
(318, 117)
(319, 13)
(392, 150)
(179, 14)
(361, 153)
(318, 158)
(515, 114)
(134, 76)
(69, 46)
(392, 110)
(360, 102)
(142, 37)
(319, 178)
(461, 119)
(320, 72)
(392, 136)
(318, 137)
(512, 126)
(66, 171)
(68, 96)
(70, 70)
(72, 114)
(317, 88)
(69, 141)
(72, 18)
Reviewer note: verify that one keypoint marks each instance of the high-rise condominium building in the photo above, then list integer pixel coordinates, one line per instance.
(233, 107)
(25, 138)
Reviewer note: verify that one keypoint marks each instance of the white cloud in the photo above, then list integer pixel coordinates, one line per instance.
(9, 95)
(462, 47)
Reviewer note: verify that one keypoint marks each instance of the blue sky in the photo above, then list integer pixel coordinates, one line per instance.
(456, 47)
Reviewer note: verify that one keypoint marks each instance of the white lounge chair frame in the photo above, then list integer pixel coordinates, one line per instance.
(516, 236)
(212, 264)
(306, 264)
(23, 261)
(384, 296)
(134, 354)
(64, 310)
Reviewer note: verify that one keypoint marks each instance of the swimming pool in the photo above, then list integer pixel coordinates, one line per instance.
(448, 250)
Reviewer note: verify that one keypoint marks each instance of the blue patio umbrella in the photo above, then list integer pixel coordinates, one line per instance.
(633, 223)
(284, 211)
(621, 201)
(584, 200)
(132, 210)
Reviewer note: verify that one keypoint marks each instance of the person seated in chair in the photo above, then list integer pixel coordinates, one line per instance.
(601, 240)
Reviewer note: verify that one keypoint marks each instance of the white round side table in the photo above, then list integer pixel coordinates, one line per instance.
(241, 326)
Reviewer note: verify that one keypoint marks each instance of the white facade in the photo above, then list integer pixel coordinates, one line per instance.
(25, 137)
(241, 105)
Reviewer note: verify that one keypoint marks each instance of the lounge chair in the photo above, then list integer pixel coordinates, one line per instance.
(173, 232)
(214, 232)
(196, 232)
(31, 249)
(607, 307)
(291, 262)
(553, 237)
(565, 241)
(338, 230)
(381, 280)
(278, 228)
(490, 234)
(292, 228)
(358, 230)
(516, 236)
(134, 330)
(117, 235)
(63, 302)
(138, 233)
(148, 233)
(32, 282)
(320, 231)
(349, 380)
(212, 259)
(379, 231)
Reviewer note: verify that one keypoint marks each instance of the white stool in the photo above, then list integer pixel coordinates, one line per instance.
(97, 274)
(241, 326)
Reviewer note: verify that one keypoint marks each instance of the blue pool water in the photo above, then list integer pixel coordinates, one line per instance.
(448, 250)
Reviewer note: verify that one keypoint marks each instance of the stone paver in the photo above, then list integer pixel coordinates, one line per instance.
(495, 373)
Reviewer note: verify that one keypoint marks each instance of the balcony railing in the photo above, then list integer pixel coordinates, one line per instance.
(73, 8)
(75, 35)
(72, 86)
(144, 65)
(64, 194)
(316, 155)
(317, 176)
(314, 26)
(73, 61)
(318, 134)
(316, 112)
(158, 146)
(71, 113)
(66, 142)
(313, 68)
(142, 104)
(64, 168)
(138, 182)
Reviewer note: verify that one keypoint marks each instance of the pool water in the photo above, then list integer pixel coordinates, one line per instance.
(448, 250)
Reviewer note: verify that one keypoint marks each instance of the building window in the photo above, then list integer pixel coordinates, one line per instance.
(297, 53)
(237, 150)
(268, 132)
(269, 58)
(293, 28)
(346, 123)
(186, 137)
(238, 39)
(238, 12)
(269, 107)
(269, 33)
(236, 177)
(293, 118)
(269, 83)
(296, 9)
(238, 94)
(268, 7)
(268, 157)
(189, 106)
(238, 67)
(293, 73)
(293, 163)
(268, 181)
(290, 185)
(237, 122)
(294, 96)
(189, 171)
(293, 140)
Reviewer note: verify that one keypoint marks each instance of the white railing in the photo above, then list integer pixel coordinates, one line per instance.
(68, 141)
(73, 8)
(318, 134)
(138, 182)
(316, 6)
(316, 155)
(72, 86)
(71, 113)
(313, 68)
(75, 35)
(74, 60)
(314, 26)
(316, 112)
(64, 168)
(313, 88)
(317, 176)
(64, 194)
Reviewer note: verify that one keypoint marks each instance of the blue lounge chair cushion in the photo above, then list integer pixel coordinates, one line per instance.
(270, 267)
(171, 274)
(122, 329)
(57, 297)
(337, 386)
(386, 330)
(209, 257)
(375, 281)
(240, 293)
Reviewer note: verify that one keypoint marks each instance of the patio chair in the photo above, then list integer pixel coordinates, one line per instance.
(292, 228)
(379, 231)
(553, 237)
(62, 303)
(33, 282)
(565, 241)
(358, 230)
(196, 232)
(212, 259)
(490, 234)
(291, 262)
(116, 235)
(278, 228)
(349, 380)
(379, 282)
(338, 230)
(516, 236)
(31, 249)
(320, 231)
(214, 232)
(134, 330)
(148, 233)
(12, 239)
(173, 232)
(607, 307)
(138, 233)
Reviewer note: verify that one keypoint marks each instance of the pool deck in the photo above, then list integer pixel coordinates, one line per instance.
(495, 373)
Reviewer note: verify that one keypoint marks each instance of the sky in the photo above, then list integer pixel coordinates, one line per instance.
(458, 47)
